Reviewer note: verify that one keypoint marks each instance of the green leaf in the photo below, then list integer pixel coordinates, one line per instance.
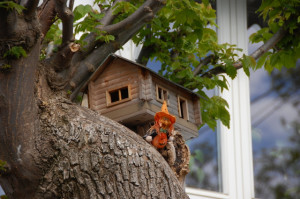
(220, 110)
(108, 38)
(274, 59)
(199, 32)
(124, 8)
(211, 124)
(213, 109)
(262, 60)
(248, 62)
(268, 66)
(289, 59)
(230, 69)
(188, 46)
(222, 84)
(10, 5)
(81, 10)
(54, 33)
(15, 52)
(97, 16)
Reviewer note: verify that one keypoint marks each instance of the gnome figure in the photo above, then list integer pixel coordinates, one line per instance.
(162, 131)
(169, 143)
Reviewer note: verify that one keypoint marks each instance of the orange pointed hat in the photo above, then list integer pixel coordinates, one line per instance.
(165, 113)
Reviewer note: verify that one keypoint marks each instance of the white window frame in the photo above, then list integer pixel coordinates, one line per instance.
(235, 144)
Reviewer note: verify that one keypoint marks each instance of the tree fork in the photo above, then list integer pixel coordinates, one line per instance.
(59, 66)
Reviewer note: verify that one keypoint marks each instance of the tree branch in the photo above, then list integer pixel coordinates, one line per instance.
(46, 15)
(30, 7)
(61, 60)
(269, 44)
(144, 54)
(71, 4)
(145, 51)
(203, 62)
(59, 66)
(143, 14)
(90, 39)
(109, 17)
(66, 15)
(258, 53)
(93, 60)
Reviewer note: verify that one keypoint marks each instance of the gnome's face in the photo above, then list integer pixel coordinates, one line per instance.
(164, 122)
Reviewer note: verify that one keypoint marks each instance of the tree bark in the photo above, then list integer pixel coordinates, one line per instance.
(18, 111)
(95, 157)
(57, 149)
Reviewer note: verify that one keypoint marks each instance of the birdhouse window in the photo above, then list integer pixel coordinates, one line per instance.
(183, 108)
(119, 95)
(161, 94)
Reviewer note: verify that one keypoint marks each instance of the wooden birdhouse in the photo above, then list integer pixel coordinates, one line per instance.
(131, 94)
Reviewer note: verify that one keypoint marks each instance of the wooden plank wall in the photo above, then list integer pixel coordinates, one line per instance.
(118, 74)
(173, 92)
(145, 85)
(197, 108)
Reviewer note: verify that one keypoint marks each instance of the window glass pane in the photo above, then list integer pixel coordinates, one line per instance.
(124, 93)
(114, 96)
(204, 167)
(159, 90)
(275, 107)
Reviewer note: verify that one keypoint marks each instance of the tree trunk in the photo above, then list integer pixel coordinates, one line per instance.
(56, 149)
(95, 157)
(19, 127)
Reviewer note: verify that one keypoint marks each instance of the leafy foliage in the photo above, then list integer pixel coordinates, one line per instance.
(10, 5)
(214, 109)
(279, 14)
(86, 19)
(15, 52)
(182, 34)
(54, 33)
(123, 9)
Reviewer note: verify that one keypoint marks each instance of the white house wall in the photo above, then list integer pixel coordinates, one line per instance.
(236, 142)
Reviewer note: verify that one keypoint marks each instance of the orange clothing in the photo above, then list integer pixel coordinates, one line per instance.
(160, 140)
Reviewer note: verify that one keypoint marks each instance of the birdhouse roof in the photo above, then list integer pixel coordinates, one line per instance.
(112, 57)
